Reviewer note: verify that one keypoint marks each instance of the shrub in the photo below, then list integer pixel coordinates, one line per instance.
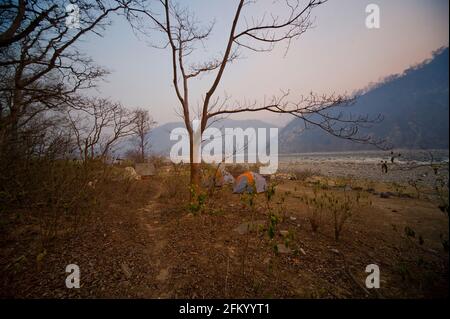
(340, 206)
(54, 190)
(316, 207)
(302, 175)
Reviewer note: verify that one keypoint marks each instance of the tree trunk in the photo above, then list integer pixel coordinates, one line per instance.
(195, 175)
(12, 128)
(194, 167)
(142, 150)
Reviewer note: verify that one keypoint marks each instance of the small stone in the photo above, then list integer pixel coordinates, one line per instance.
(385, 195)
(303, 251)
(163, 274)
(242, 228)
(334, 251)
(292, 218)
(282, 249)
(231, 251)
(190, 215)
(246, 227)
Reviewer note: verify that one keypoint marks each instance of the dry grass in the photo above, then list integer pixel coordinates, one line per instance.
(147, 226)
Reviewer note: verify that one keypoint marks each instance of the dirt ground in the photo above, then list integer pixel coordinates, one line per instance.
(150, 245)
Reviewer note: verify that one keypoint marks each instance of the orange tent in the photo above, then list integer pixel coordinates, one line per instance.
(250, 182)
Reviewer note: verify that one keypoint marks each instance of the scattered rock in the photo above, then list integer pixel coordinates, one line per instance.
(283, 176)
(131, 173)
(242, 228)
(124, 283)
(231, 251)
(385, 195)
(303, 251)
(282, 249)
(334, 250)
(245, 227)
(347, 188)
(163, 275)
(293, 218)
(126, 270)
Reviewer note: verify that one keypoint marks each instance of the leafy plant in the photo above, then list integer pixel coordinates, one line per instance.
(197, 204)
(273, 221)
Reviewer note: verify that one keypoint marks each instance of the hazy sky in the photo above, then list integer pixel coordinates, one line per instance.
(338, 55)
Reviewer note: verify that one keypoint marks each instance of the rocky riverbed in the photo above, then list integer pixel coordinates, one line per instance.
(400, 173)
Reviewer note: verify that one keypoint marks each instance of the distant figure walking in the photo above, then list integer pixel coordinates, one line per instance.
(393, 156)
(384, 167)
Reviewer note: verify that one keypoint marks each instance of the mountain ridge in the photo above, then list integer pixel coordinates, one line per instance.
(159, 137)
(414, 105)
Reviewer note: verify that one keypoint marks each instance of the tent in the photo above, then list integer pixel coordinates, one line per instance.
(223, 177)
(249, 182)
(145, 170)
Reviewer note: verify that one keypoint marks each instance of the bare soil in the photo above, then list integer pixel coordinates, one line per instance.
(149, 245)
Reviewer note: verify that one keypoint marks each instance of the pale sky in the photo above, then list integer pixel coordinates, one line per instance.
(338, 55)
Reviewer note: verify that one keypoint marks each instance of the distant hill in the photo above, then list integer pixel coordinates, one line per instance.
(415, 107)
(159, 137)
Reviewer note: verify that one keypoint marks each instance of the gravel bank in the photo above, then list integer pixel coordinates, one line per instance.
(400, 173)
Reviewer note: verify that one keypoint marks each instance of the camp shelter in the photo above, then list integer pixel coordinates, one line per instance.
(223, 177)
(145, 170)
(249, 182)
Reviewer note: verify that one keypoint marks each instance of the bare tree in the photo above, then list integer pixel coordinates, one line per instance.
(99, 125)
(40, 67)
(19, 20)
(183, 34)
(144, 124)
